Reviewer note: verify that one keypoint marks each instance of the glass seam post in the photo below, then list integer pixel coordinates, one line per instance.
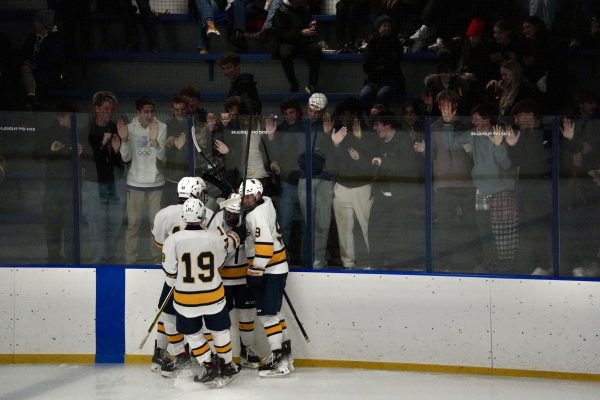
(555, 197)
(190, 147)
(75, 191)
(428, 195)
(308, 237)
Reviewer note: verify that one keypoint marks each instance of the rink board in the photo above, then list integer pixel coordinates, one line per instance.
(392, 321)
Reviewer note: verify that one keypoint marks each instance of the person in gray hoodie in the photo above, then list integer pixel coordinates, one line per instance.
(493, 175)
(143, 143)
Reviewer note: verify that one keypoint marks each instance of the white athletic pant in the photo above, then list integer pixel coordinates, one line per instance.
(348, 202)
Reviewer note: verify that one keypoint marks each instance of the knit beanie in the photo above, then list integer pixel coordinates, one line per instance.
(476, 27)
(45, 18)
(380, 20)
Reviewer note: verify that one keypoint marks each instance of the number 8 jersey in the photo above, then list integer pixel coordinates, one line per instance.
(191, 258)
(264, 247)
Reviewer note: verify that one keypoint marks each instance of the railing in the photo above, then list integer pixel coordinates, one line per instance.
(408, 196)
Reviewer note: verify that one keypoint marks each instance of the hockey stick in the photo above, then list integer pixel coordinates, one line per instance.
(160, 310)
(293, 310)
(205, 157)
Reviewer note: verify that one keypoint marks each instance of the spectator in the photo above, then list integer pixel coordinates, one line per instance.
(296, 33)
(494, 177)
(230, 142)
(323, 173)
(244, 10)
(456, 244)
(348, 17)
(583, 27)
(503, 46)
(149, 20)
(447, 79)
(206, 24)
(510, 89)
(191, 95)
(177, 164)
(383, 66)
(44, 58)
(353, 151)
(103, 188)
(397, 193)
(580, 161)
(54, 146)
(475, 55)
(542, 65)
(437, 24)
(242, 85)
(143, 143)
(531, 157)
(271, 6)
(285, 144)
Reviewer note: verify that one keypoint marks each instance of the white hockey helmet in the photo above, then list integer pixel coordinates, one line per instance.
(234, 207)
(191, 186)
(253, 186)
(193, 211)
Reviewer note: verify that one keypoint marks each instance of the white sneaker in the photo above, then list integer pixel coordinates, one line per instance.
(541, 272)
(439, 44)
(421, 33)
(590, 270)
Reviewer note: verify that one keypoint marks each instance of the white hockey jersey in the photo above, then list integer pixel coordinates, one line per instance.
(264, 246)
(169, 220)
(235, 268)
(191, 259)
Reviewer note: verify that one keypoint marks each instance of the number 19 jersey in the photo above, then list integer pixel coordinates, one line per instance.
(191, 258)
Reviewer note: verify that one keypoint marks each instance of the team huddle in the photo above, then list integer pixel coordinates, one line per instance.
(216, 263)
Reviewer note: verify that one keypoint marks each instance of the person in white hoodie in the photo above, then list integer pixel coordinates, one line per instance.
(143, 144)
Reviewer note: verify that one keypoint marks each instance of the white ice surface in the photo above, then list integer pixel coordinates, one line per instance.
(136, 382)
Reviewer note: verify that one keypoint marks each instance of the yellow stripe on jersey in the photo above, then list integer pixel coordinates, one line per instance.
(204, 298)
(199, 351)
(263, 249)
(223, 349)
(160, 327)
(279, 257)
(173, 339)
(273, 329)
(246, 326)
(234, 271)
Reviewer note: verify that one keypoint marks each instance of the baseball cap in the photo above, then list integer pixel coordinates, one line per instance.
(318, 101)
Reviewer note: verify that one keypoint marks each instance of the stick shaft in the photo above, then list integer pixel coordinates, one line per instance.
(160, 310)
(293, 310)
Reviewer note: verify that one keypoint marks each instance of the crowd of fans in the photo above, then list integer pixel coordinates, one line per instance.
(490, 147)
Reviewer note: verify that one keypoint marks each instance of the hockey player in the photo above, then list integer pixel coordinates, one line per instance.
(267, 274)
(166, 222)
(238, 294)
(191, 258)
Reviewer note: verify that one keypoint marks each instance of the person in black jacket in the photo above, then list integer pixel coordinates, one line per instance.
(103, 186)
(296, 33)
(43, 55)
(242, 85)
(382, 65)
(54, 147)
(397, 192)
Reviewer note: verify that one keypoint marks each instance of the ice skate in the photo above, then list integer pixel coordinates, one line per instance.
(248, 358)
(159, 358)
(286, 347)
(175, 367)
(275, 365)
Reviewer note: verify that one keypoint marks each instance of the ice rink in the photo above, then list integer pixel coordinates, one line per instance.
(120, 382)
